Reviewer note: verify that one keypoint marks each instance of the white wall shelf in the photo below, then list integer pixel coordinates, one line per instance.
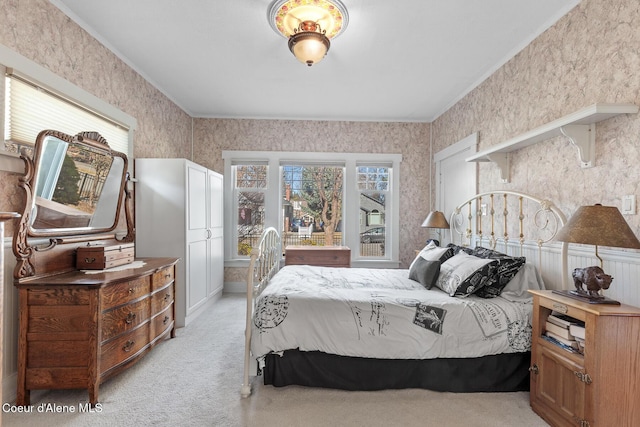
(579, 127)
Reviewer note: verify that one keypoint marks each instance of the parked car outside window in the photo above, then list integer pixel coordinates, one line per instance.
(373, 235)
(295, 224)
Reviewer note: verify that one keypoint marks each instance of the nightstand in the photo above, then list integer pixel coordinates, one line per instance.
(324, 256)
(597, 388)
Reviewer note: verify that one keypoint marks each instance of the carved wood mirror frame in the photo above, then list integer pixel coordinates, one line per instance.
(35, 256)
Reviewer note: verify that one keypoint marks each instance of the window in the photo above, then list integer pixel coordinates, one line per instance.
(30, 108)
(250, 184)
(312, 204)
(335, 198)
(373, 185)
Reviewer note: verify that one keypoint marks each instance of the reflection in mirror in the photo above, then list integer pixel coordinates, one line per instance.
(77, 185)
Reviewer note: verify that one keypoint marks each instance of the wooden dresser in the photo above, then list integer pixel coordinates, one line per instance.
(597, 388)
(324, 256)
(78, 329)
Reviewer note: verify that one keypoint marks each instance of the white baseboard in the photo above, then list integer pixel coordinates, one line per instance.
(235, 287)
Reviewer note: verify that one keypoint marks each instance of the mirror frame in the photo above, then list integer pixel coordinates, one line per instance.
(23, 249)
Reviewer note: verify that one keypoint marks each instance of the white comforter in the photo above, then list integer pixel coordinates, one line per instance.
(381, 313)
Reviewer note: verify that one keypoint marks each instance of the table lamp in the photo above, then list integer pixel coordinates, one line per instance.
(600, 226)
(436, 219)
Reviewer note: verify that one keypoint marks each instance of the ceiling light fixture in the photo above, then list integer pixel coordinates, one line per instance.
(309, 25)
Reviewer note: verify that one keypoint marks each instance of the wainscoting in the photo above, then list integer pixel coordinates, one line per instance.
(623, 265)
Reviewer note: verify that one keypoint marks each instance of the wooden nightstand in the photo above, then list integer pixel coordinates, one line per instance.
(324, 256)
(599, 388)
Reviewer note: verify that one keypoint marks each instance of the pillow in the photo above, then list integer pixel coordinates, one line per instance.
(518, 288)
(463, 274)
(455, 248)
(508, 267)
(431, 252)
(425, 272)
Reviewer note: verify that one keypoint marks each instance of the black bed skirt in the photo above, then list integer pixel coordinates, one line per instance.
(497, 373)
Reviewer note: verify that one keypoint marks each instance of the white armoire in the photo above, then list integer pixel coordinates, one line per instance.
(179, 214)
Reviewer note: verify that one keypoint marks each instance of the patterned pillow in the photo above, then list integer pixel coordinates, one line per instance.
(425, 272)
(464, 274)
(508, 267)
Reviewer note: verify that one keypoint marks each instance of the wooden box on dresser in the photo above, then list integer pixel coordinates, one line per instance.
(323, 256)
(598, 388)
(77, 329)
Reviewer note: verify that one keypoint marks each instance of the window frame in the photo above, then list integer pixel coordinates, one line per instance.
(351, 218)
(11, 162)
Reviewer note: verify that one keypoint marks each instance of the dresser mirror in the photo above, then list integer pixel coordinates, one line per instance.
(77, 185)
(75, 191)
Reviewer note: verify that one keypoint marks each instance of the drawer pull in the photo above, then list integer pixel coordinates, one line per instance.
(89, 260)
(167, 297)
(128, 346)
(534, 369)
(130, 318)
(130, 291)
(585, 378)
(165, 320)
(166, 276)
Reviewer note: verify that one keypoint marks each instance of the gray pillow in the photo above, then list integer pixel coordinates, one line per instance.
(425, 272)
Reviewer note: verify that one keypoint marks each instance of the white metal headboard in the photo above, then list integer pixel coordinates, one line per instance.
(510, 219)
(264, 263)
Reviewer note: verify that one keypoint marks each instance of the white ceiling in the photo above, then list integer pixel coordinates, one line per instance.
(397, 60)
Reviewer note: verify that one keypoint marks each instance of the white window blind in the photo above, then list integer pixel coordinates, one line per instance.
(30, 109)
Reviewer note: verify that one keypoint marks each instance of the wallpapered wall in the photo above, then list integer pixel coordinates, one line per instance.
(592, 55)
(212, 136)
(40, 32)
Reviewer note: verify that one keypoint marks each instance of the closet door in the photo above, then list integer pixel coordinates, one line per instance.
(216, 227)
(197, 237)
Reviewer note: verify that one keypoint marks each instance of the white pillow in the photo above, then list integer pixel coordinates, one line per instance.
(432, 252)
(463, 274)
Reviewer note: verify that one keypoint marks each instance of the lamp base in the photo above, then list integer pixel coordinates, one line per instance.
(584, 297)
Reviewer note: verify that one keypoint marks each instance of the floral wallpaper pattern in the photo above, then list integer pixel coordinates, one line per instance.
(592, 55)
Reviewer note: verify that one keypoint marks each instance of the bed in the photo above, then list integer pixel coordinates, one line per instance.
(458, 320)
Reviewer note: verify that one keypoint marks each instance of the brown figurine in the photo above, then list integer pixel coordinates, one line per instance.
(593, 278)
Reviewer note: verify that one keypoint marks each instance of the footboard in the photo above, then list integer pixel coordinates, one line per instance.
(264, 263)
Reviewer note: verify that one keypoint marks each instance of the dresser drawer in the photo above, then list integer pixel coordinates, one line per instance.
(162, 277)
(124, 318)
(161, 300)
(122, 348)
(48, 322)
(122, 293)
(59, 296)
(162, 322)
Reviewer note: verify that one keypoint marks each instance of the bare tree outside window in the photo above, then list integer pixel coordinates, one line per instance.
(313, 197)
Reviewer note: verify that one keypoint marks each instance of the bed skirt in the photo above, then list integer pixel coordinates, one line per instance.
(496, 373)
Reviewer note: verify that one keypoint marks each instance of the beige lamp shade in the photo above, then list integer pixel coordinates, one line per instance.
(599, 225)
(435, 219)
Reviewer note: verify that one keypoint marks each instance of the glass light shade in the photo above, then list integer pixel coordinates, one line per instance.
(309, 47)
(309, 25)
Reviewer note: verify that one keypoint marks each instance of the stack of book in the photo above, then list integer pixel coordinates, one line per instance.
(565, 332)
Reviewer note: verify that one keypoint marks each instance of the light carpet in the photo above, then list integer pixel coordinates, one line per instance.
(195, 378)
